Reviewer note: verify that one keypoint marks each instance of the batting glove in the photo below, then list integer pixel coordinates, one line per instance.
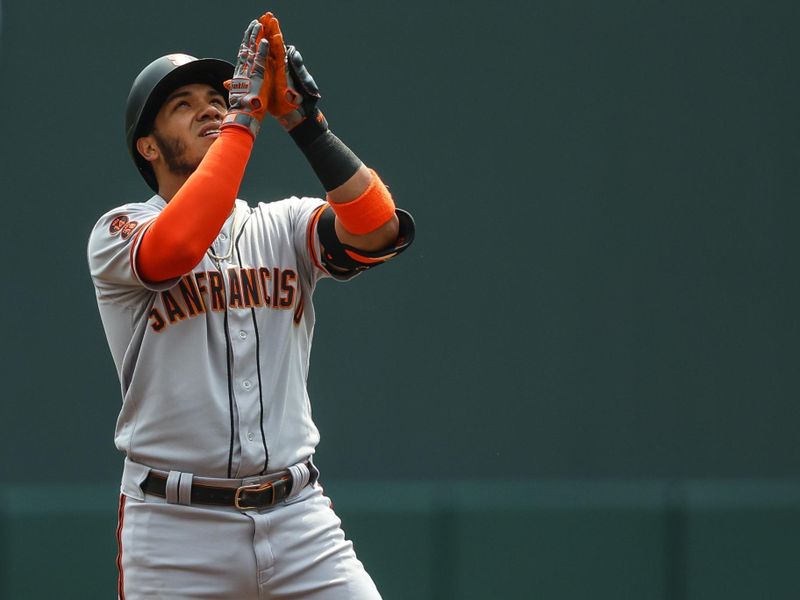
(248, 91)
(294, 93)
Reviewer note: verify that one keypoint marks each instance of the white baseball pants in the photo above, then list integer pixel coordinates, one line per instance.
(295, 550)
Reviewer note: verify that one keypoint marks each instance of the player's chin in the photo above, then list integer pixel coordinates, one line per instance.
(202, 146)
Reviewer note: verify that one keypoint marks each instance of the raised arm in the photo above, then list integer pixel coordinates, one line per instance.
(199, 202)
(365, 211)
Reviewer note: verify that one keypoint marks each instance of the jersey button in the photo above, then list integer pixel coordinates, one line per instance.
(222, 237)
(246, 384)
(243, 334)
(251, 436)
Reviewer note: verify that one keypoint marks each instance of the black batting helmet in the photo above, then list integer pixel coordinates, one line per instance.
(152, 86)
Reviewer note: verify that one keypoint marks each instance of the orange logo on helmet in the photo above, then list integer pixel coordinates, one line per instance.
(179, 59)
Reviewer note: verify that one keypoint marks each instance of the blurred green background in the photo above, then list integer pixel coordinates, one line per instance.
(580, 382)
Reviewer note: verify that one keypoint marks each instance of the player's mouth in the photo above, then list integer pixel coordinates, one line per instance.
(210, 131)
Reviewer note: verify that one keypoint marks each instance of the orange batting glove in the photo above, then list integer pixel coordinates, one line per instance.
(283, 99)
(294, 93)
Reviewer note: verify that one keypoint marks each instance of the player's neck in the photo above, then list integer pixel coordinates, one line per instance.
(169, 185)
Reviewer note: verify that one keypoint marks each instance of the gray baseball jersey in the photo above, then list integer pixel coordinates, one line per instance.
(213, 364)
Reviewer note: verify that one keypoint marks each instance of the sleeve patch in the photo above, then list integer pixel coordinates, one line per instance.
(128, 229)
(118, 223)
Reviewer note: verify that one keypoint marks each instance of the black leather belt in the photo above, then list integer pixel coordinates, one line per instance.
(256, 496)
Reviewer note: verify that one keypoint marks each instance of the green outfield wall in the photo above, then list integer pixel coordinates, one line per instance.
(610, 540)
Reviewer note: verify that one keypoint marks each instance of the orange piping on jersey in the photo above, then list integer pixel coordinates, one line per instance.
(312, 227)
(180, 235)
(145, 226)
(369, 211)
(368, 259)
(120, 519)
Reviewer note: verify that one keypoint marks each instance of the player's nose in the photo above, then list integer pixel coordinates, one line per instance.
(211, 110)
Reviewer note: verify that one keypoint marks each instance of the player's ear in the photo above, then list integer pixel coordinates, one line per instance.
(148, 148)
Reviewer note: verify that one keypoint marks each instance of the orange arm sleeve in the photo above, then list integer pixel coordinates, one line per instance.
(180, 235)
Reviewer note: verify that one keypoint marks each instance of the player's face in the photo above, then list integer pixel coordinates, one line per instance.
(187, 124)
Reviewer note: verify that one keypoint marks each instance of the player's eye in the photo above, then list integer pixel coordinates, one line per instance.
(180, 104)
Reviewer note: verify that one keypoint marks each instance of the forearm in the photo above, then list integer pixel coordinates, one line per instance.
(365, 210)
(377, 239)
(180, 235)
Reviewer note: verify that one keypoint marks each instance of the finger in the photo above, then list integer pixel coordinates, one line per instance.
(274, 30)
(266, 19)
(274, 26)
(276, 48)
(277, 59)
(260, 62)
(248, 31)
(241, 59)
(254, 35)
(252, 45)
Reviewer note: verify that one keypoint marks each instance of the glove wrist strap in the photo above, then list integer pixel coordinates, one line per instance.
(243, 120)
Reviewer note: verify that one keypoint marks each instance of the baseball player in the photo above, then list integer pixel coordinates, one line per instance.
(207, 307)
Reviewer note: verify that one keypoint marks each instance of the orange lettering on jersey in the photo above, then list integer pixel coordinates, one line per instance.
(217, 291)
(276, 286)
(191, 296)
(265, 277)
(287, 287)
(235, 287)
(250, 291)
(198, 293)
(199, 277)
(174, 311)
(158, 322)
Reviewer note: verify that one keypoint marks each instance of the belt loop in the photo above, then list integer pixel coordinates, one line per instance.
(133, 475)
(173, 480)
(185, 489)
(300, 477)
(314, 471)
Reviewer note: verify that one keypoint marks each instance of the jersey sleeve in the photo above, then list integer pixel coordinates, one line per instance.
(308, 216)
(113, 244)
(304, 215)
(315, 237)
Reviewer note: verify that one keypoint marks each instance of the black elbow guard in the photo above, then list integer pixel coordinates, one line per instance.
(342, 260)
